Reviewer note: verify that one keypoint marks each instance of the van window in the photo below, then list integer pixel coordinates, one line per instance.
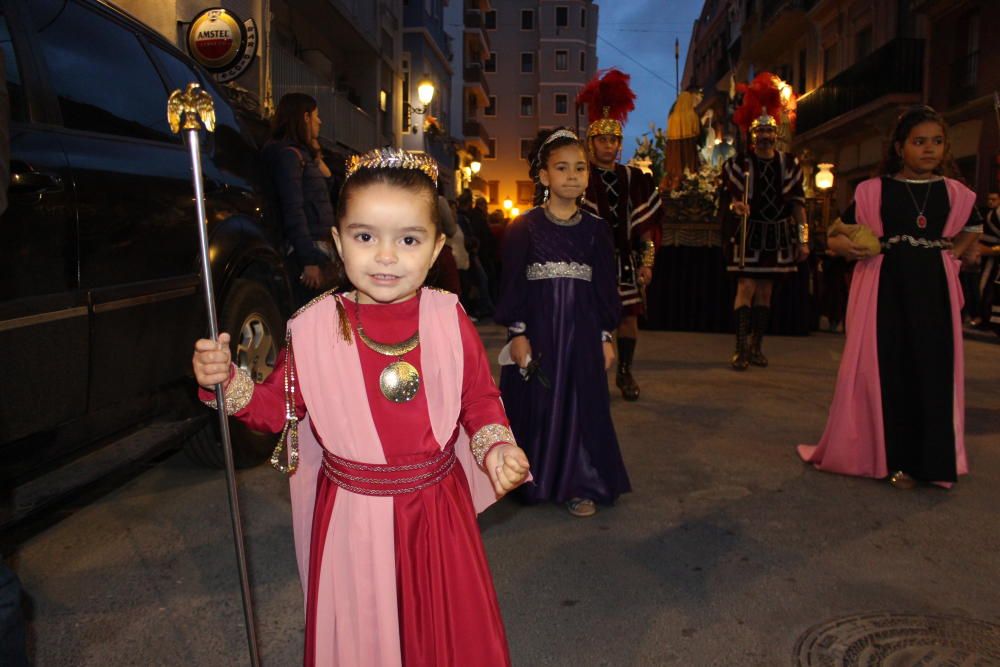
(102, 76)
(15, 88)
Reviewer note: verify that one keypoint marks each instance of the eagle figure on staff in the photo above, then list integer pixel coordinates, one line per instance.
(191, 104)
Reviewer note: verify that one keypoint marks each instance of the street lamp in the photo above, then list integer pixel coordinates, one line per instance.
(824, 177)
(475, 166)
(514, 212)
(824, 181)
(508, 204)
(425, 93)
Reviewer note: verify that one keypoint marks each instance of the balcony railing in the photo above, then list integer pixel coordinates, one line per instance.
(361, 12)
(473, 74)
(894, 68)
(473, 129)
(475, 23)
(770, 8)
(964, 79)
(474, 19)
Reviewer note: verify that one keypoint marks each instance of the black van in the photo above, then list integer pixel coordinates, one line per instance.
(99, 275)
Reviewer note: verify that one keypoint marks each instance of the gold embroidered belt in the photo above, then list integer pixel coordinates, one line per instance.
(373, 479)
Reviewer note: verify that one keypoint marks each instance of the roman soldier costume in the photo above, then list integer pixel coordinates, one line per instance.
(772, 187)
(628, 200)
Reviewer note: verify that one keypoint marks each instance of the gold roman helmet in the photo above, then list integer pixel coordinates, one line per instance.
(605, 125)
(763, 122)
(609, 99)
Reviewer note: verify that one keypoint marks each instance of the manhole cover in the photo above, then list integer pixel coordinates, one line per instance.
(899, 640)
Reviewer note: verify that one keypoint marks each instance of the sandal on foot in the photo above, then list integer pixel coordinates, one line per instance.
(581, 507)
(901, 480)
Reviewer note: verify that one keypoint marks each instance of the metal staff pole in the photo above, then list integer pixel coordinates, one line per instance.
(746, 214)
(183, 112)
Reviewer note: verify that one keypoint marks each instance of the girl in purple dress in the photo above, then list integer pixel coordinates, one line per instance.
(559, 301)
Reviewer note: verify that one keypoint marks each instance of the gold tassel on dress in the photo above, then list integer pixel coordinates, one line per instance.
(345, 324)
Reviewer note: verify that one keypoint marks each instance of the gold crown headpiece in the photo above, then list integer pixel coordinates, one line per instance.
(393, 158)
(561, 134)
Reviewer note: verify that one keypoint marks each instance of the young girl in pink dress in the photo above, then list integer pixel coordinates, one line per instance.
(396, 437)
(898, 410)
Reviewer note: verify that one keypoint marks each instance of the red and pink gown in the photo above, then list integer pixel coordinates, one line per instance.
(390, 579)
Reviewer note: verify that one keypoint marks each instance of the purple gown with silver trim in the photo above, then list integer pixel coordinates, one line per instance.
(559, 285)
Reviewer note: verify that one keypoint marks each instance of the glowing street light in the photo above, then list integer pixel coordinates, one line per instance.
(824, 177)
(425, 93)
(514, 212)
(508, 204)
(475, 165)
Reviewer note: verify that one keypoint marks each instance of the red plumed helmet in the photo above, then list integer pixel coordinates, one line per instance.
(760, 96)
(609, 99)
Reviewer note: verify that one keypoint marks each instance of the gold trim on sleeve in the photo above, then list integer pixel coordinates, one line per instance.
(488, 436)
(239, 391)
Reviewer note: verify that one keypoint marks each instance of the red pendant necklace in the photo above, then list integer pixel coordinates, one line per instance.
(921, 218)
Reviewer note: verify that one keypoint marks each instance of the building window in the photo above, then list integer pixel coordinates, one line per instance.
(562, 60)
(562, 17)
(829, 62)
(526, 145)
(490, 20)
(527, 105)
(527, 19)
(491, 108)
(490, 64)
(527, 62)
(493, 190)
(525, 193)
(491, 149)
(583, 18)
(862, 44)
(583, 61)
(562, 104)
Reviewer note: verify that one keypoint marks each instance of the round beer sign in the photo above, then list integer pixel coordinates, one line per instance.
(222, 43)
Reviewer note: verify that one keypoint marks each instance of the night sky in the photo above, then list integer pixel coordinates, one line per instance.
(645, 30)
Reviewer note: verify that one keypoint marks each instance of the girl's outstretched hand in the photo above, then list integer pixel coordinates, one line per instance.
(520, 350)
(211, 362)
(507, 466)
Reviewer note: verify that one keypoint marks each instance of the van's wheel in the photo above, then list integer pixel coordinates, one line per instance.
(255, 327)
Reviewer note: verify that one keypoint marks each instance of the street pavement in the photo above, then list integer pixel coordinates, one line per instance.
(726, 552)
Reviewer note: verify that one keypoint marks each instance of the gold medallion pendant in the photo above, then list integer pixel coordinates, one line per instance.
(399, 381)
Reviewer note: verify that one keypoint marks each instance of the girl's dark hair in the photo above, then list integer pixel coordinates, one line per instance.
(289, 121)
(412, 180)
(909, 119)
(540, 152)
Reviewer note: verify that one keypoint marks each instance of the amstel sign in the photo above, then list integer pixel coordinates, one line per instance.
(222, 43)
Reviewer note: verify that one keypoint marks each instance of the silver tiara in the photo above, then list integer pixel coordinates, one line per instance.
(393, 158)
(560, 134)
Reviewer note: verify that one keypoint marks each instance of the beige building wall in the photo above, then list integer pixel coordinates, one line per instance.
(555, 51)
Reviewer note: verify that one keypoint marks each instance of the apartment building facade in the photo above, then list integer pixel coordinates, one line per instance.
(854, 65)
(428, 57)
(541, 53)
(465, 23)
